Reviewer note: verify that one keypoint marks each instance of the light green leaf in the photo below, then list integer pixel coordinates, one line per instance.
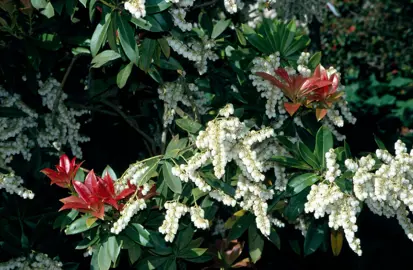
(400, 82)
(324, 142)
(314, 60)
(80, 175)
(300, 182)
(188, 125)
(174, 146)
(155, 6)
(48, 11)
(255, 243)
(104, 57)
(219, 28)
(103, 258)
(113, 248)
(39, 4)
(123, 75)
(173, 182)
(193, 253)
(110, 171)
(99, 35)
(79, 226)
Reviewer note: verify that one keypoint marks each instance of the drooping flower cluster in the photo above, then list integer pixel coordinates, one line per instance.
(333, 170)
(128, 211)
(136, 8)
(386, 187)
(133, 174)
(35, 261)
(196, 51)
(197, 217)
(174, 211)
(12, 184)
(178, 17)
(258, 11)
(61, 126)
(328, 199)
(220, 196)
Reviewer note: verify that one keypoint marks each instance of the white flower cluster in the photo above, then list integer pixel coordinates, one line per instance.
(220, 196)
(38, 261)
(333, 170)
(277, 223)
(197, 217)
(231, 6)
(258, 11)
(227, 110)
(304, 9)
(386, 188)
(173, 92)
(130, 209)
(13, 185)
(136, 8)
(178, 17)
(302, 63)
(196, 51)
(273, 94)
(302, 225)
(341, 210)
(61, 125)
(174, 211)
(133, 174)
(188, 172)
(254, 198)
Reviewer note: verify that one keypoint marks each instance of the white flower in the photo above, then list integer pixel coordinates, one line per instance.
(169, 227)
(128, 211)
(136, 8)
(197, 218)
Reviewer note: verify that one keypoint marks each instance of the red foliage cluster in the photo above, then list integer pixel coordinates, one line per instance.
(319, 89)
(90, 196)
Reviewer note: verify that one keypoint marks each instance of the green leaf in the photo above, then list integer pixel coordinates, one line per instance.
(188, 125)
(193, 253)
(241, 226)
(92, 9)
(256, 40)
(379, 143)
(134, 254)
(148, 50)
(346, 186)
(113, 248)
(324, 142)
(149, 24)
(80, 176)
(174, 146)
(314, 238)
(84, 2)
(127, 40)
(347, 150)
(39, 4)
(314, 60)
(300, 182)
(166, 50)
(274, 238)
(241, 37)
(104, 57)
(123, 75)
(71, 7)
(308, 156)
(170, 64)
(99, 35)
(110, 171)
(103, 258)
(255, 243)
(155, 6)
(65, 218)
(219, 28)
(400, 82)
(173, 182)
(291, 162)
(142, 236)
(79, 226)
(296, 205)
(48, 11)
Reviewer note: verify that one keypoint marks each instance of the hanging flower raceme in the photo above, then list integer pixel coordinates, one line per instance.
(66, 171)
(300, 90)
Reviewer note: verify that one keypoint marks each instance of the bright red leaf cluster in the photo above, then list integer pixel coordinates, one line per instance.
(319, 88)
(92, 195)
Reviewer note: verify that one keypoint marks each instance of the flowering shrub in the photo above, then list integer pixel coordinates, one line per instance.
(238, 129)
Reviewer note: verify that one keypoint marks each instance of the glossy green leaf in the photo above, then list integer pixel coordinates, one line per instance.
(324, 142)
(241, 226)
(163, 43)
(291, 162)
(127, 39)
(308, 156)
(113, 248)
(79, 226)
(148, 50)
(103, 258)
(149, 24)
(255, 243)
(315, 237)
(314, 60)
(104, 57)
(219, 28)
(300, 182)
(275, 238)
(295, 205)
(99, 35)
(174, 146)
(171, 64)
(48, 11)
(347, 150)
(64, 219)
(134, 254)
(173, 182)
(39, 4)
(123, 75)
(379, 143)
(256, 40)
(155, 6)
(188, 125)
(193, 253)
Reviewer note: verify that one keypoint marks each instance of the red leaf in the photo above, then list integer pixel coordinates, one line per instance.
(291, 108)
(83, 191)
(320, 113)
(91, 181)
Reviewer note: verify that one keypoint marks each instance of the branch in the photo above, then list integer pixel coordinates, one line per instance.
(209, 3)
(135, 126)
